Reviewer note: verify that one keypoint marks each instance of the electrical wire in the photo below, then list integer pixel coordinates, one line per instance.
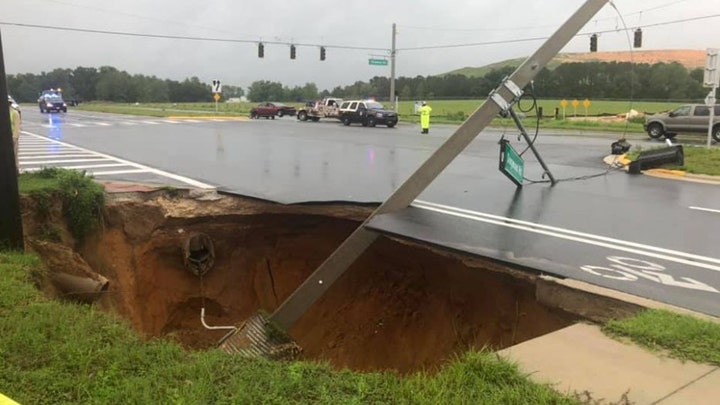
(508, 41)
(525, 28)
(446, 46)
(615, 165)
(187, 38)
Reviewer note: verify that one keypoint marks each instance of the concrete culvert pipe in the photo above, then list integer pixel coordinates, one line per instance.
(83, 289)
(198, 253)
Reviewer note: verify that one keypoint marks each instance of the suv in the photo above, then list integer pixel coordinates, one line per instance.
(368, 113)
(51, 101)
(686, 118)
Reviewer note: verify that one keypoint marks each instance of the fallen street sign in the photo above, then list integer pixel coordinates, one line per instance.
(511, 164)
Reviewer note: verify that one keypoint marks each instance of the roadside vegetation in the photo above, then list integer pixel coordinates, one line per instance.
(82, 198)
(681, 336)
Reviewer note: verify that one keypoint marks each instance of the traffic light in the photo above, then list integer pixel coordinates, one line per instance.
(322, 53)
(292, 51)
(261, 50)
(637, 39)
(593, 43)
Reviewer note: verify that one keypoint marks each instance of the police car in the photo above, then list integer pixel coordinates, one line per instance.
(51, 100)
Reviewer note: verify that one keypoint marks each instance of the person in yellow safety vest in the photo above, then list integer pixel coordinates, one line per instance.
(425, 111)
(15, 126)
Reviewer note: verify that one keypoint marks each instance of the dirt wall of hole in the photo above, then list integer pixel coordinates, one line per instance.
(401, 306)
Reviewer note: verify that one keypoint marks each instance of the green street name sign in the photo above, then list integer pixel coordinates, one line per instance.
(511, 164)
(378, 62)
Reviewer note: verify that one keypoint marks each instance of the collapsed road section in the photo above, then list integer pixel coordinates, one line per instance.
(169, 256)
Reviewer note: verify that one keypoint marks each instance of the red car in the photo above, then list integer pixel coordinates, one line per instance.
(270, 110)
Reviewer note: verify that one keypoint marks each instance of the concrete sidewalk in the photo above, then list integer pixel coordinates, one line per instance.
(581, 359)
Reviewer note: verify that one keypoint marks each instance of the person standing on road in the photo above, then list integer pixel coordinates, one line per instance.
(15, 129)
(425, 111)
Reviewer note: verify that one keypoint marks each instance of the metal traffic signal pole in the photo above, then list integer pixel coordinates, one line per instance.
(11, 231)
(393, 99)
(339, 261)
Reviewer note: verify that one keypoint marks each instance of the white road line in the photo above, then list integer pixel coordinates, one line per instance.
(46, 152)
(46, 149)
(128, 122)
(176, 177)
(192, 121)
(52, 162)
(78, 125)
(35, 169)
(150, 122)
(169, 121)
(111, 172)
(102, 124)
(50, 156)
(590, 239)
(705, 209)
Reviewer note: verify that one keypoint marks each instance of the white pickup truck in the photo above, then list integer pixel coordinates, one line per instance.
(325, 108)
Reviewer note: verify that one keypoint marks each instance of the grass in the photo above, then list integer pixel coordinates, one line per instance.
(698, 160)
(682, 336)
(82, 198)
(62, 353)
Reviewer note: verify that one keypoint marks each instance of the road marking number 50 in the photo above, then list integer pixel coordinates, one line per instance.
(629, 269)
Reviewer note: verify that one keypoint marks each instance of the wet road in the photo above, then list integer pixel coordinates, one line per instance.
(636, 234)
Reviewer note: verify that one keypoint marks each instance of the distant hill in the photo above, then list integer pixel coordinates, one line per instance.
(689, 58)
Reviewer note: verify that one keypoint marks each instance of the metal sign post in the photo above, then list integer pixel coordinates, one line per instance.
(217, 89)
(711, 79)
(710, 102)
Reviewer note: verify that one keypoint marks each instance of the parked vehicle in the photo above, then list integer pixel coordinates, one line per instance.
(325, 108)
(689, 118)
(271, 110)
(367, 113)
(14, 104)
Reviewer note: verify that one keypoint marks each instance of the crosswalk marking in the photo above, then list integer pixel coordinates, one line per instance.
(82, 155)
(112, 172)
(79, 167)
(54, 162)
(58, 124)
(50, 156)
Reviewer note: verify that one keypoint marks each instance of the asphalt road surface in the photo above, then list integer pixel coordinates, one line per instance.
(650, 237)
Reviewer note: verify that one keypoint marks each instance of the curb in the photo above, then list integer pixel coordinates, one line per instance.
(600, 304)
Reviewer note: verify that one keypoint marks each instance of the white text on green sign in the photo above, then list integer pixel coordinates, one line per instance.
(511, 164)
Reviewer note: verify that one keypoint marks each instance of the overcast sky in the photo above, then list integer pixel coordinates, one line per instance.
(330, 23)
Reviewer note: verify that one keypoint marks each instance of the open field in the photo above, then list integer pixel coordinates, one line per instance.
(440, 107)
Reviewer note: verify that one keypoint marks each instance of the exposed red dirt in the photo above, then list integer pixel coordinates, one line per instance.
(401, 306)
(690, 58)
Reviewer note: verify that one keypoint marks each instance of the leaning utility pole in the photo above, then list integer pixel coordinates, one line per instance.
(252, 339)
(392, 70)
(11, 231)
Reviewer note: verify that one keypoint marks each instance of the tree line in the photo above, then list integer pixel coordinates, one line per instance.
(594, 80)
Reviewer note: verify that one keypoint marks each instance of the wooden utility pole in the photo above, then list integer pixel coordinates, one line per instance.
(11, 230)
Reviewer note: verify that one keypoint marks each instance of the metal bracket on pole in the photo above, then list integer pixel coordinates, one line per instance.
(506, 107)
(529, 141)
(515, 91)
